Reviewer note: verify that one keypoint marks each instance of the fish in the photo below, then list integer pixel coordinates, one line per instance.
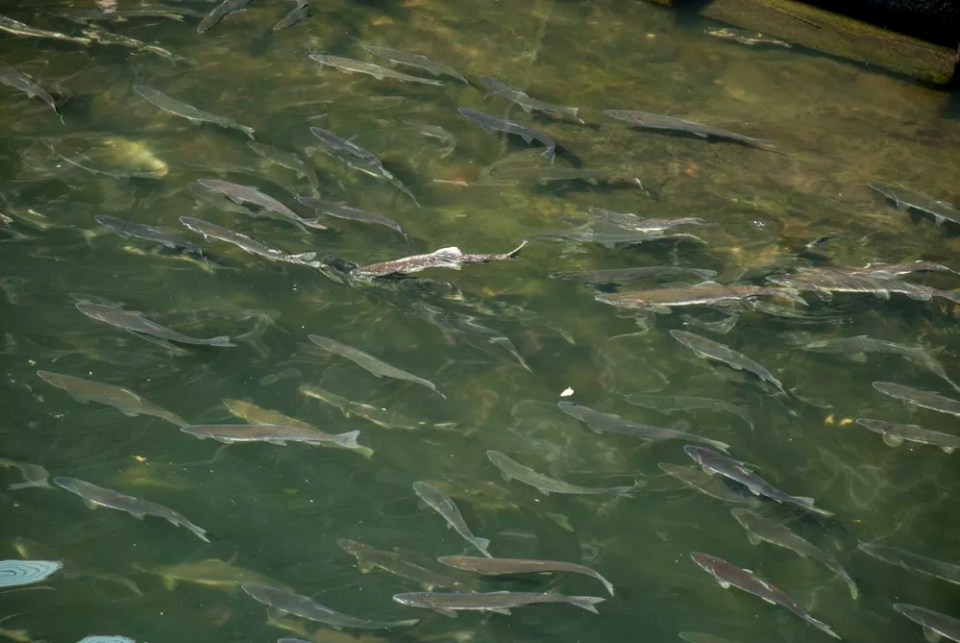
(254, 247)
(513, 470)
(497, 173)
(703, 294)
(501, 566)
(304, 607)
(709, 349)
(672, 403)
(509, 127)
(949, 572)
(360, 159)
(18, 28)
(177, 108)
(277, 434)
(826, 281)
(94, 496)
(33, 475)
(148, 233)
(414, 60)
(394, 562)
(380, 73)
(451, 257)
(16, 573)
(895, 434)
(449, 604)
(711, 461)
(134, 320)
(211, 572)
(910, 200)
(436, 132)
(697, 479)
(461, 323)
(610, 423)
(123, 15)
(657, 121)
(104, 37)
(123, 399)
(619, 276)
(728, 575)
(241, 194)
(891, 270)
(526, 103)
(219, 12)
(289, 160)
(344, 211)
(380, 416)
(13, 77)
(934, 624)
(301, 11)
(919, 397)
(760, 528)
(610, 236)
(447, 508)
(630, 221)
(745, 37)
(377, 367)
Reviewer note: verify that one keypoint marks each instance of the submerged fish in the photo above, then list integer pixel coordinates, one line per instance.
(745, 37)
(298, 13)
(630, 221)
(657, 121)
(738, 472)
(394, 562)
(12, 77)
(219, 12)
(288, 160)
(414, 60)
(104, 37)
(147, 233)
(609, 423)
(524, 100)
(118, 397)
(33, 475)
(703, 294)
(449, 604)
(211, 572)
(436, 132)
(890, 270)
(242, 241)
(447, 508)
(278, 434)
(895, 434)
(509, 127)
(368, 362)
(672, 403)
(913, 562)
(344, 211)
(826, 281)
(451, 257)
(192, 114)
(911, 200)
(241, 194)
(617, 276)
(709, 349)
(934, 624)
(134, 320)
(358, 66)
(94, 496)
(304, 607)
(379, 416)
(18, 28)
(919, 397)
(513, 470)
(15, 573)
(544, 175)
(731, 575)
(501, 566)
(708, 484)
(760, 528)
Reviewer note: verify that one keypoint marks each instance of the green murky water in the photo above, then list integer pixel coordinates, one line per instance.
(280, 510)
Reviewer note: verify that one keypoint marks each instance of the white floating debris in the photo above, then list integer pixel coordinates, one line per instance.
(567, 392)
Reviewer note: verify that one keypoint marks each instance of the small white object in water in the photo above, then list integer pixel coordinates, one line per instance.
(567, 392)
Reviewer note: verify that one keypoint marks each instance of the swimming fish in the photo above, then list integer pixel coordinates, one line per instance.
(13, 77)
(524, 100)
(192, 114)
(358, 66)
(709, 349)
(658, 121)
(134, 320)
(447, 508)
(451, 257)
(934, 624)
(254, 247)
(394, 562)
(277, 434)
(414, 60)
(219, 12)
(895, 434)
(949, 572)
(513, 470)
(241, 194)
(304, 607)
(501, 566)
(509, 127)
(148, 233)
(449, 604)
(125, 400)
(919, 397)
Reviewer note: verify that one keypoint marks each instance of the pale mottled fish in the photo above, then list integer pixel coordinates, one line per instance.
(728, 575)
(277, 434)
(895, 434)
(94, 496)
(709, 349)
(451, 257)
(414, 60)
(658, 121)
(447, 508)
(344, 211)
(358, 66)
(192, 114)
(125, 400)
(254, 247)
(304, 607)
(134, 320)
(616, 276)
(525, 101)
(395, 563)
(919, 397)
(18, 28)
(298, 13)
(949, 572)
(934, 624)
(906, 199)
(449, 604)
(745, 37)
(148, 233)
(14, 573)
(705, 294)
(501, 566)
(708, 484)
(219, 12)
(513, 470)
(12, 77)
(380, 416)
(211, 572)
(631, 221)
(672, 403)
(509, 127)
(241, 194)
(33, 475)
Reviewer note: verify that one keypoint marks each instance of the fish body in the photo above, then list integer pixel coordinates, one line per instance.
(380, 73)
(18, 28)
(509, 127)
(451, 257)
(919, 397)
(934, 624)
(278, 434)
(526, 103)
(360, 159)
(825, 281)
(657, 121)
(298, 13)
(104, 37)
(891, 270)
(501, 566)
(13, 77)
(242, 241)
(148, 233)
(368, 362)
(211, 572)
(672, 403)
(124, 15)
(630, 221)
(913, 562)
(447, 508)
(608, 423)
(895, 434)
(178, 108)
(219, 12)
(134, 320)
(94, 496)
(501, 602)
(395, 563)
(730, 575)
(760, 528)
(618, 276)
(118, 397)
(436, 132)
(911, 200)
(745, 37)
(33, 475)
(304, 607)
(738, 472)
(344, 211)
(513, 470)
(241, 194)
(288, 160)
(707, 294)
(709, 349)
(379, 416)
(697, 479)
(414, 60)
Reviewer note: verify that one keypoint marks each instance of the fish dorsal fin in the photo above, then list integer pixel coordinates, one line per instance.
(707, 284)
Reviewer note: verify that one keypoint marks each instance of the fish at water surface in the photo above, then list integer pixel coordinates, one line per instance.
(501, 566)
(414, 60)
(705, 294)
(706, 483)
(254, 247)
(344, 211)
(277, 434)
(219, 12)
(745, 37)
(125, 400)
(34, 475)
(178, 108)
(432, 497)
(451, 257)
(241, 194)
(906, 199)
(709, 349)
(18, 28)
(934, 624)
(148, 233)
(94, 496)
(104, 37)
(13, 77)
(509, 127)
(449, 604)
(350, 65)
(395, 563)
(658, 121)
(134, 320)
(525, 101)
(298, 13)
(895, 434)
(210, 572)
(913, 562)
(825, 281)
(305, 607)
(919, 397)
(513, 470)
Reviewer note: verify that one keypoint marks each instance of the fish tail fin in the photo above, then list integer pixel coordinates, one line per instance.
(807, 503)
(247, 130)
(586, 602)
(349, 439)
(550, 153)
(222, 340)
(513, 253)
(606, 584)
(952, 295)
(482, 544)
(717, 444)
(793, 295)
(315, 224)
